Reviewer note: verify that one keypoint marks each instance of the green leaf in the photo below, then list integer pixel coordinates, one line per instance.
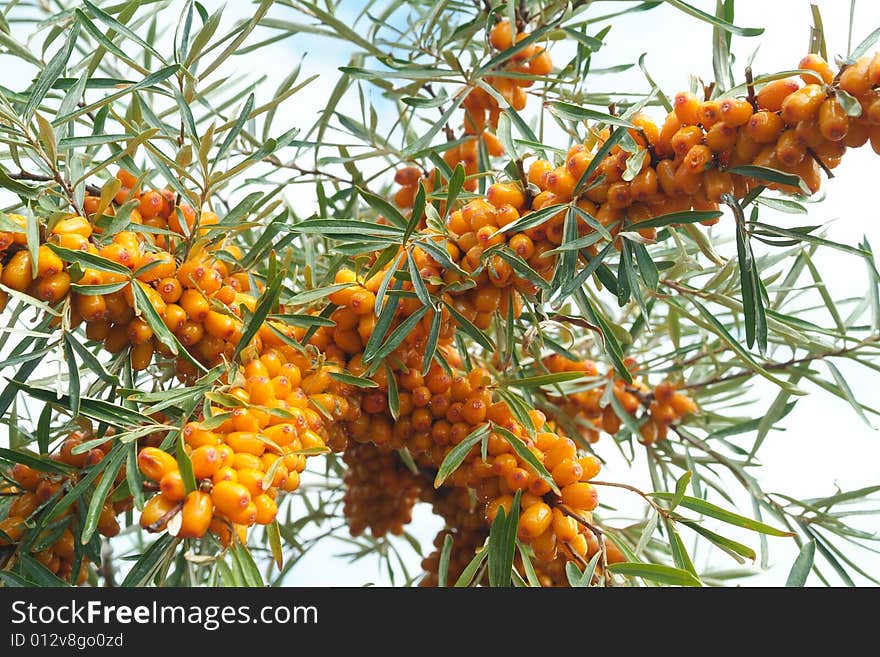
(849, 103)
(243, 559)
(541, 380)
(656, 573)
(33, 461)
(350, 228)
(101, 491)
(470, 571)
(457, 454)
(863, 48)
(384, 208)
(846, 391)
(454, 187)
(185, 465)
(687, 217)
(235, 130)
(709, 509)
(754, 314)
(443, 567)
(49, 74)
(418, 209)
(576, 113)
(767, 174)
(252, 325)
(90, 260)
(399, 334)
(717, 22)
(502, 544)
(151, 316)
(37, 573)
(725, 336)
(647, 268)
(72, 375)
(147, 565)
(154, 78)
(723, 542)
(680, 489)
(96, 409)
(800, 569)
(273, 530)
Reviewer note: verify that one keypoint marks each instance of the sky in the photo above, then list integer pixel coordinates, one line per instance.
(823, 445)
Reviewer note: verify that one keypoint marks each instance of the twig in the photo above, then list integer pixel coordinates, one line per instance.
(600, 535)
(107, 570)
(165, 517)
(659, 509)
(448, 132)
(750, 86)
(92, 190)
(819, 161)
(782, 366)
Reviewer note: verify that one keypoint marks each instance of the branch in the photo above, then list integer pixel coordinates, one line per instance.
(769, 365)
(92, 190)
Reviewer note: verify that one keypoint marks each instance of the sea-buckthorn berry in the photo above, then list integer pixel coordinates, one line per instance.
(855, 79)
(500, 194)
(735, 111)
(721, 137)
(833, 120)
(815, 62)
(790, 149)
(53, 287)
(24, 505)
(541, 64)
(535, 520)
(139, 331)
(686, 106)
(141, 356)
(165, 267)
(267, 510)
(25, 476)
(198, 509)
(155, 463)
(709, 113)
(764, 127)
(252, 479)
(685, 139)
(206, 460)
(561, 449)
(682, 405)
(538, 171)
(230, 497)
(48, 262)
(501, 35)
(246, 441)
(226, 473)
(772, 94)
(580, 495)
(157, 512)
(803, 104)
(567, 471)
(17, 273)
(172, 487)
(565, 527)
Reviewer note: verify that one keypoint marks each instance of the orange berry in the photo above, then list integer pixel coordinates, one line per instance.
(196, 515)
(156, 509)
(171, 486)
(155, 463)
(580, 495)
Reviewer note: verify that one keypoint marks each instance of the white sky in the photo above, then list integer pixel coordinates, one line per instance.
(824, 444)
